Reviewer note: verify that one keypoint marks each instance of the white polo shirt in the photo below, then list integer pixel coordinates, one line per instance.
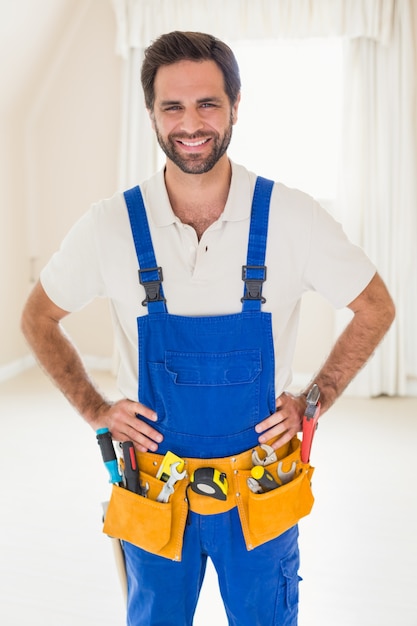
(307, 250)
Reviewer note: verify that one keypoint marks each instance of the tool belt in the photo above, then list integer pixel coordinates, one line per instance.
(159, 527)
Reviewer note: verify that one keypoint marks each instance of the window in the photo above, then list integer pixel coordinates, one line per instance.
(289, 125)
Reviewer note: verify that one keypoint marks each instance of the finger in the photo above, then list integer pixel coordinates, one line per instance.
(126, 425)
(282, 432)
(142, 435)
(142, 444)
(275, 431)
(281, 441)
(272, 420)
(144, 411)
(141, 441)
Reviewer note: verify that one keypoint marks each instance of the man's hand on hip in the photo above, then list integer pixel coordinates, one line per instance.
(285, 422)
(123, 419)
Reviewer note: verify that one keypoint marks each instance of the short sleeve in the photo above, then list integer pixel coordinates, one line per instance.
(72, 277)
(335, 267)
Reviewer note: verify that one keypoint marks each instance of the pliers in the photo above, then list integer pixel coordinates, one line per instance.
(270, 455)
(310, 419)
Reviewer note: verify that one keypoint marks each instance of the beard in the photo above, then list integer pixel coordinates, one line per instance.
(194, 163)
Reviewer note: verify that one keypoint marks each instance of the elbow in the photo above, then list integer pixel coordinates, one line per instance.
(384, 312)
(384, 315)
(381, 303)
(26, 323)
(392, 310)
(30, 320)
(387, 308)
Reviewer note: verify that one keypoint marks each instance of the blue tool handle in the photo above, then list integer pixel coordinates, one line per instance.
(109, 456)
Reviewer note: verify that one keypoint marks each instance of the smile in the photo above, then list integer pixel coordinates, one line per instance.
(193, 144)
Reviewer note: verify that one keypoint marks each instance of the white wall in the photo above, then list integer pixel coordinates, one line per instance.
(75, 136)
(13, 266)
(59, 152)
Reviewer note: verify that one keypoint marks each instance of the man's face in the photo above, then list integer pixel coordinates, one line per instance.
(192, 114)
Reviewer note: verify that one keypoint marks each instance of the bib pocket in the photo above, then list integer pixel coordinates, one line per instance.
(229, 380)
(239, 367)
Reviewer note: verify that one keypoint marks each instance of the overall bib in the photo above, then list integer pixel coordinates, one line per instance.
(211, 380)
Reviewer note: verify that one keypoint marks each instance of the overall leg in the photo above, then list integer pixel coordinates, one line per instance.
(259, 587)
(162, 592)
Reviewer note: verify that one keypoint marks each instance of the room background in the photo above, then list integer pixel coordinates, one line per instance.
(63, 128)
(68, 75)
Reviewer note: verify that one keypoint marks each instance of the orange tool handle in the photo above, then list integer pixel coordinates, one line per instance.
(309, 429)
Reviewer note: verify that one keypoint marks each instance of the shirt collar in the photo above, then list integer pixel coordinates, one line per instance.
(237, 208)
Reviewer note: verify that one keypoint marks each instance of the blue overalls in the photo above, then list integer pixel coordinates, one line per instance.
(210, 380)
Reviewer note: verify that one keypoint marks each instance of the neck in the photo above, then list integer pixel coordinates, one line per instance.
(198, 199)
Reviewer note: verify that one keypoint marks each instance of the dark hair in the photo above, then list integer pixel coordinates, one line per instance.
(189, 46)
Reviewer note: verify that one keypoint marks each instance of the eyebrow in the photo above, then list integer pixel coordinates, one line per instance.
(199, 101)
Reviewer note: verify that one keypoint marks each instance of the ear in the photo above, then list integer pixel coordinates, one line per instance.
(235, 109)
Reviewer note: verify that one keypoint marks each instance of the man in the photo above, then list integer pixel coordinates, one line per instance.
(215, 351)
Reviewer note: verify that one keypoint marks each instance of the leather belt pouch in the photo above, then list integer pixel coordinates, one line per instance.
(158, 527)
(265, 516)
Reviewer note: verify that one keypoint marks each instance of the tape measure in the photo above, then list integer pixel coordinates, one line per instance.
(208, 481)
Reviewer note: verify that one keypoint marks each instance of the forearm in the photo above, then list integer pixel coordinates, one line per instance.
(373, 315)
(41, 326)
(59, 358)
(349, 354)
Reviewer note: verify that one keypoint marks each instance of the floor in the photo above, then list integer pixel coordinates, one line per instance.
(359, 545)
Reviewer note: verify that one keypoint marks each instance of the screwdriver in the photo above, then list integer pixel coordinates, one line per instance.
(264, 478)
(131, 467)
(109, 456)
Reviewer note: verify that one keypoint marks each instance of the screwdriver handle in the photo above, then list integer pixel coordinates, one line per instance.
(264, 478)
(131, 469)
(109, 456)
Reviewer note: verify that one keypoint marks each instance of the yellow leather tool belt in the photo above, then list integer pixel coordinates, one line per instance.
(158, 527)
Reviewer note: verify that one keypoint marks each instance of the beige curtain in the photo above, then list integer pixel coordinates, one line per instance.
(140, 21)
(379, 192)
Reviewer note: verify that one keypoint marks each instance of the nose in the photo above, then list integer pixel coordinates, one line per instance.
(191, 121)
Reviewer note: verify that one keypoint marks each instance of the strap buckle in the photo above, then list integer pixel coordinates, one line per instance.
(152, 286)
(253, 276)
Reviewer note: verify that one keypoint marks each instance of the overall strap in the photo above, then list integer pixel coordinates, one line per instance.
(254, 272)
(150, 275)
